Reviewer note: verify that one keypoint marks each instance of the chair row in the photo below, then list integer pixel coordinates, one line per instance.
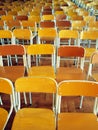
(49, 35)
(42, 60)
(45, 118)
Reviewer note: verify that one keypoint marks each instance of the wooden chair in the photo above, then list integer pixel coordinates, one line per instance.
(11, 69)
(93, 64)
(21, 17)
(63, 24)
(47, 24)
(75, 69)
(77, 120)
(69, 37)
(35, 118)
(13, 24)
(22, 36)
(47, 51)
(93, 25)
(6, 88)
(2, 25)
(89, 38)
(5, 37)
(48, 18)
(47, 35)
(79, 25)
(7, 17)
(27, 24)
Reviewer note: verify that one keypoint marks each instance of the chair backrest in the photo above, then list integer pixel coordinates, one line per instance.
(69, 34)
(93, 25)
(69, 52)
(48, 18)
(78, 25)
(63, 24)
(35, 85)
(47, 34)
(89, 35)
(7, 17)
(23, 34)
(34, 18)
(76, 88)
(88, 19)
(12, 24)
(21, 17)
(11, 50)
(47, 24)
(5, 34)
(6, 87)
(41, 49)
(61, 17)
(29, 25)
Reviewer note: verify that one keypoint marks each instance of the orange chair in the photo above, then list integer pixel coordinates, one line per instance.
(12, 24)
(9, 69)
(76, 120)
(35, 118)
(75, 69)
(7, 89)
(63, 24)
(47, 51)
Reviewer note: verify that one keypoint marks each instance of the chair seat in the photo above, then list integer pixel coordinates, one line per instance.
(3, 117)
(70, 73)
(42, 71)
(77, 121)
(12, 72)
(34, 119)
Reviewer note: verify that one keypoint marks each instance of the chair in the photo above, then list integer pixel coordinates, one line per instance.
(35, 118)
(68, 37)
(58, 13)
(6, 88)
(22, 36)
(7, 17)
(13, 24)
(93, 25)
(75, 69)
(79, 25)
(89, 38)
(5, 37)
(27, 24)
(12, 68)
(63, 24)
(76, 17)
(48, 18)
(77, 120)
(47, 24)
(47, 51)
(47, 35)
(88, 19)
(61, 17)
(21, 17)
(93, 64)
